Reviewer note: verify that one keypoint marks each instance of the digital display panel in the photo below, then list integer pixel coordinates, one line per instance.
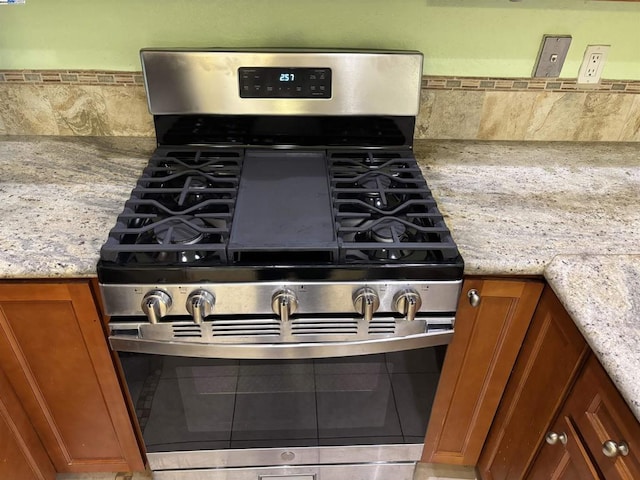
(286, 82)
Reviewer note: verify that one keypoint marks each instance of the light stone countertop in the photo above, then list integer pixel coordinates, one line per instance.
(59, 197)
(511, 206)
(600, 292)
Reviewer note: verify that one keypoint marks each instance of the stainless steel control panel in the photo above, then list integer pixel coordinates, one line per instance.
(282, 298)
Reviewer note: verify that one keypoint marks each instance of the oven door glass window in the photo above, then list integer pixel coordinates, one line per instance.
(203, 404)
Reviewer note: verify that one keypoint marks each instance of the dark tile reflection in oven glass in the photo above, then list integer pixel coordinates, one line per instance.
(357, 402)
(174, 367)
(372, 364)
(190, 411)
(414, 394)
(194, 403)
(427, 360)
(275, 404)
(191, 406)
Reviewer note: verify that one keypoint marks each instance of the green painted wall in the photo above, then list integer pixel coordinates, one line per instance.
(458, 37)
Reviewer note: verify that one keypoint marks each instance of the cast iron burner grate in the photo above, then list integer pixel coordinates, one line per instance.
(384, 210)
(181, 212)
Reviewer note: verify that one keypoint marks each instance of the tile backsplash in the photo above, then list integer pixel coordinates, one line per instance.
(113, 103)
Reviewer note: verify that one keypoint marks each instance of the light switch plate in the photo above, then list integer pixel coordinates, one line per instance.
(551, 56)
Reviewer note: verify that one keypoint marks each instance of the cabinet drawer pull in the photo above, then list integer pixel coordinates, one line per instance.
(474, 297)
(552, 438)
(612, 449)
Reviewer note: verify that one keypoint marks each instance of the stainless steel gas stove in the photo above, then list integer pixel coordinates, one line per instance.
(282, 226)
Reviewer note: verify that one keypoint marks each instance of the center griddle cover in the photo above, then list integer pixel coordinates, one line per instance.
(284, 203)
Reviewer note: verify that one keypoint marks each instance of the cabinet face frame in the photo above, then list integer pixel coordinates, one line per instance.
(39, 372)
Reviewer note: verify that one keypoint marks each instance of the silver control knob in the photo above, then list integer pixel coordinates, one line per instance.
(200, 305)
(407, 303)
(156, 304)
(284, 303)
(612, 449)
(553, 438)
(366, 302)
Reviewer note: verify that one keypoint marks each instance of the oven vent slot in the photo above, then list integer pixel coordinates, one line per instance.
(332, 326)
(235, 328)
(382, 326)
(187, 331)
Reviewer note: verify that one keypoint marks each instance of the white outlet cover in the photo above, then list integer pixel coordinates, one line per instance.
(589, 73)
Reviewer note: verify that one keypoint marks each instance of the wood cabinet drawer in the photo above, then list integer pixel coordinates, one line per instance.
(601, 415)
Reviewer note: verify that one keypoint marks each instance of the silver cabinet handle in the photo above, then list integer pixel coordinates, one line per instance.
(612, 449)
(553, 438)
(474, 297)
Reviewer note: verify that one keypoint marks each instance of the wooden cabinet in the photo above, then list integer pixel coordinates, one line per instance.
(593, 418)
(477, 366)
(559, 410)
(22, 456)
(54, 355)
(565, 457)
(551, 356)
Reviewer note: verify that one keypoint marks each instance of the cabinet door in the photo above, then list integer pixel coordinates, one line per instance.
(477, 366)
(54, 353)
(566, 458)
(601, 415)
(551, 356)
(22, 456)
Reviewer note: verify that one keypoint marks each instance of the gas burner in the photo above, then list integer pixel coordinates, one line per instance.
(375, 181)
(389, 231)
(179, 230)
(379, 191)
(193, 192)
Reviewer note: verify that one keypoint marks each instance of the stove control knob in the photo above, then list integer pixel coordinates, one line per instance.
(407, 303)
(366, 302)
(156, 304)
(284, 303)
(200, 305)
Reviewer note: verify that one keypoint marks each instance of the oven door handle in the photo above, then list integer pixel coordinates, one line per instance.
(128, 343)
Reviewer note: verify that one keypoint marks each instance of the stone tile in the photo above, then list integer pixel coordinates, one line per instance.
(447, 114)
(603, 116)
(84, 110)
(630, 129)
(127, 111)
(554, 116)
(79, 109)
(505, 115)
(26, 110)
(3, 127)
(427, 99)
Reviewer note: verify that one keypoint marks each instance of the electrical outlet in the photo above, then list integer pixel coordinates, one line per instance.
(553, 51)
(593, 63)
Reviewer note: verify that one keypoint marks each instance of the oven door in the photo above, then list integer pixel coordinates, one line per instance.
(357, 417)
